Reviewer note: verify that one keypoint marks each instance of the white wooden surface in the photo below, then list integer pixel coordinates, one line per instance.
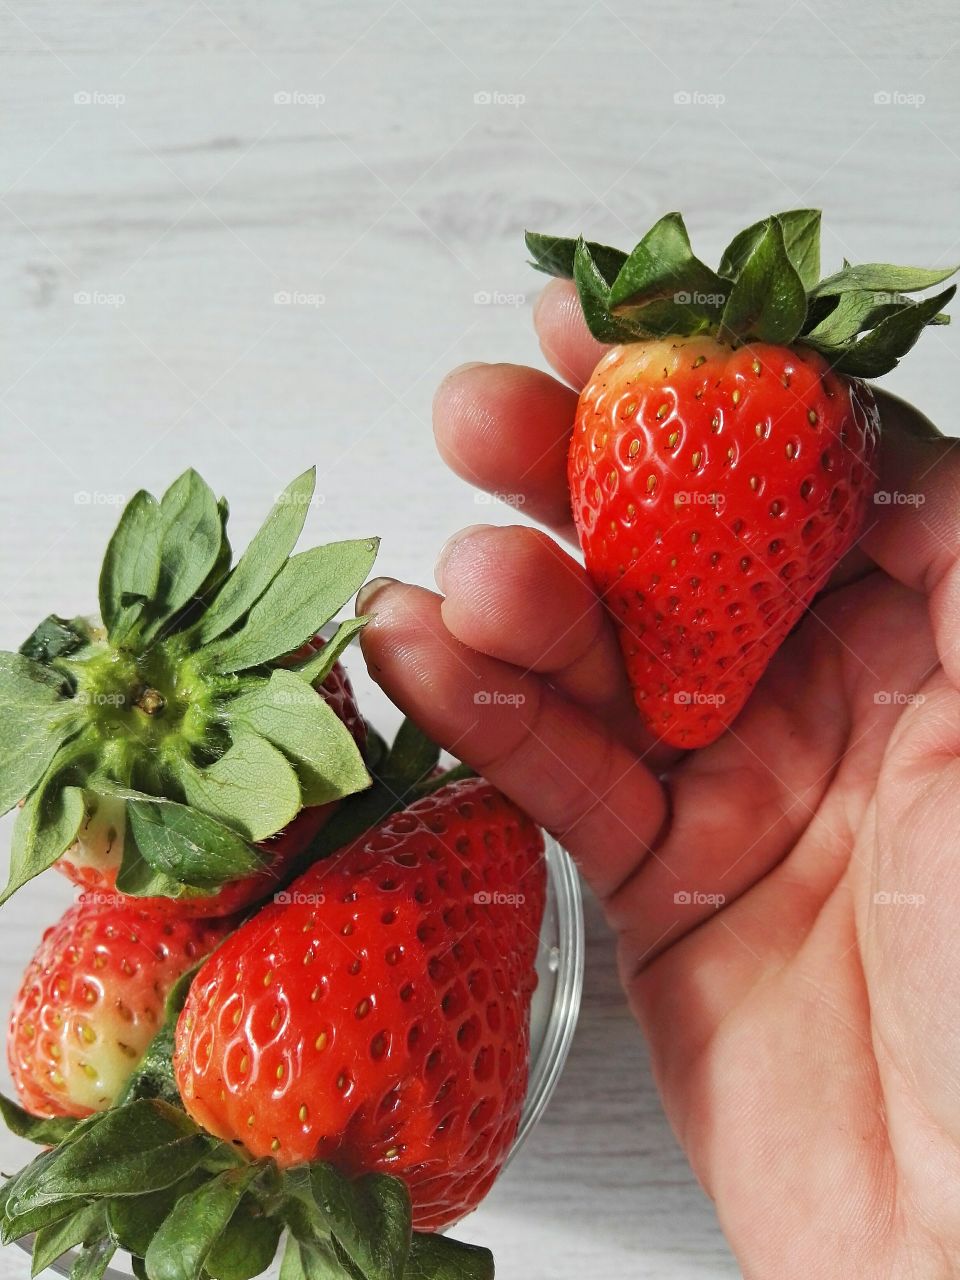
(182, 196)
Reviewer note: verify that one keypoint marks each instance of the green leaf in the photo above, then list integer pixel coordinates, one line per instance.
(46, 826)
(141, 1147)
(664, 270)
(263, 559)
(882, 277)
(191, 534)
(133, 1221)
(247, 1246)
(252, 788)
(555, 255)
(768, 300)
(880, 350)
(292, 1268)
(369, 1218)
(291, 714)
(37, 720)
(801, 238)
(47, 1131)
(181, 1246)
(412, 757)
(52, 1242)
(594, 294)
(185, 845)
(54, 638)
(318, 666)
(131, 566)
(435, 1257)
(94, 1259)
(305, 594)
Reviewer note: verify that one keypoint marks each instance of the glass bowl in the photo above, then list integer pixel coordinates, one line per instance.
(553, 1020)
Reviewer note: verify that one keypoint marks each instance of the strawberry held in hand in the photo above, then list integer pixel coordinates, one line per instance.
(175, 739)
(723, 455)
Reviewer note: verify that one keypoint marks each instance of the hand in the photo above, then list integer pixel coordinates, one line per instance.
(786, 900)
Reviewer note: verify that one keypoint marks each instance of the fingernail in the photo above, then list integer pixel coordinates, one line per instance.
(369, 591)
(448, 550)
(462, 368)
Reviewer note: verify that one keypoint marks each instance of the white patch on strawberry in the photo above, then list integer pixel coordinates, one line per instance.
(100, 843)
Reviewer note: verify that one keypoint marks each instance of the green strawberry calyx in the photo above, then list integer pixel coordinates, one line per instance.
(767, 288)
(170, 711)
(185, 1205)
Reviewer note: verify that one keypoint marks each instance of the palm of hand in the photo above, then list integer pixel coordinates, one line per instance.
(805, 1031)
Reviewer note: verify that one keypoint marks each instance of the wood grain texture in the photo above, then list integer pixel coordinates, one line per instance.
(389, 193)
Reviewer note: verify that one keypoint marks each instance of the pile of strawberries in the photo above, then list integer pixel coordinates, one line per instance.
(303, 1015)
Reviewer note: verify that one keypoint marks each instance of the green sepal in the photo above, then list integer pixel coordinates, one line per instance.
(50, 1243)
(131, 567)
(595, 300)
(881, 277)
(263, 559)
(880, 350)
(768, 301)
(133, 1221)
(154, 1075)
(46, 827)
(55, 638)
(37, 721)
(434, 1257)
(44, 1130)
(248, 1245)
(801, 239)
(191, 533)
(94, 1258)
(180, 1248)
(767, 289)
(368, 1217)
(289, 713)
(306, 593)
(663, 287)
(555, 255)
(183, 845)
(252, 788)
(318, 666)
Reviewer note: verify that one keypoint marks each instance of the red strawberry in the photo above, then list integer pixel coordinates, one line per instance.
(94, 860)
(380, 1019)
(722, 458)
(92, 999)
(168, 745)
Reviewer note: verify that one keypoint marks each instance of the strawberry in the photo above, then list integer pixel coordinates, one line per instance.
(722, 457)
(92, 999)
(96, 857)
(378, 1018)
(172, 741)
